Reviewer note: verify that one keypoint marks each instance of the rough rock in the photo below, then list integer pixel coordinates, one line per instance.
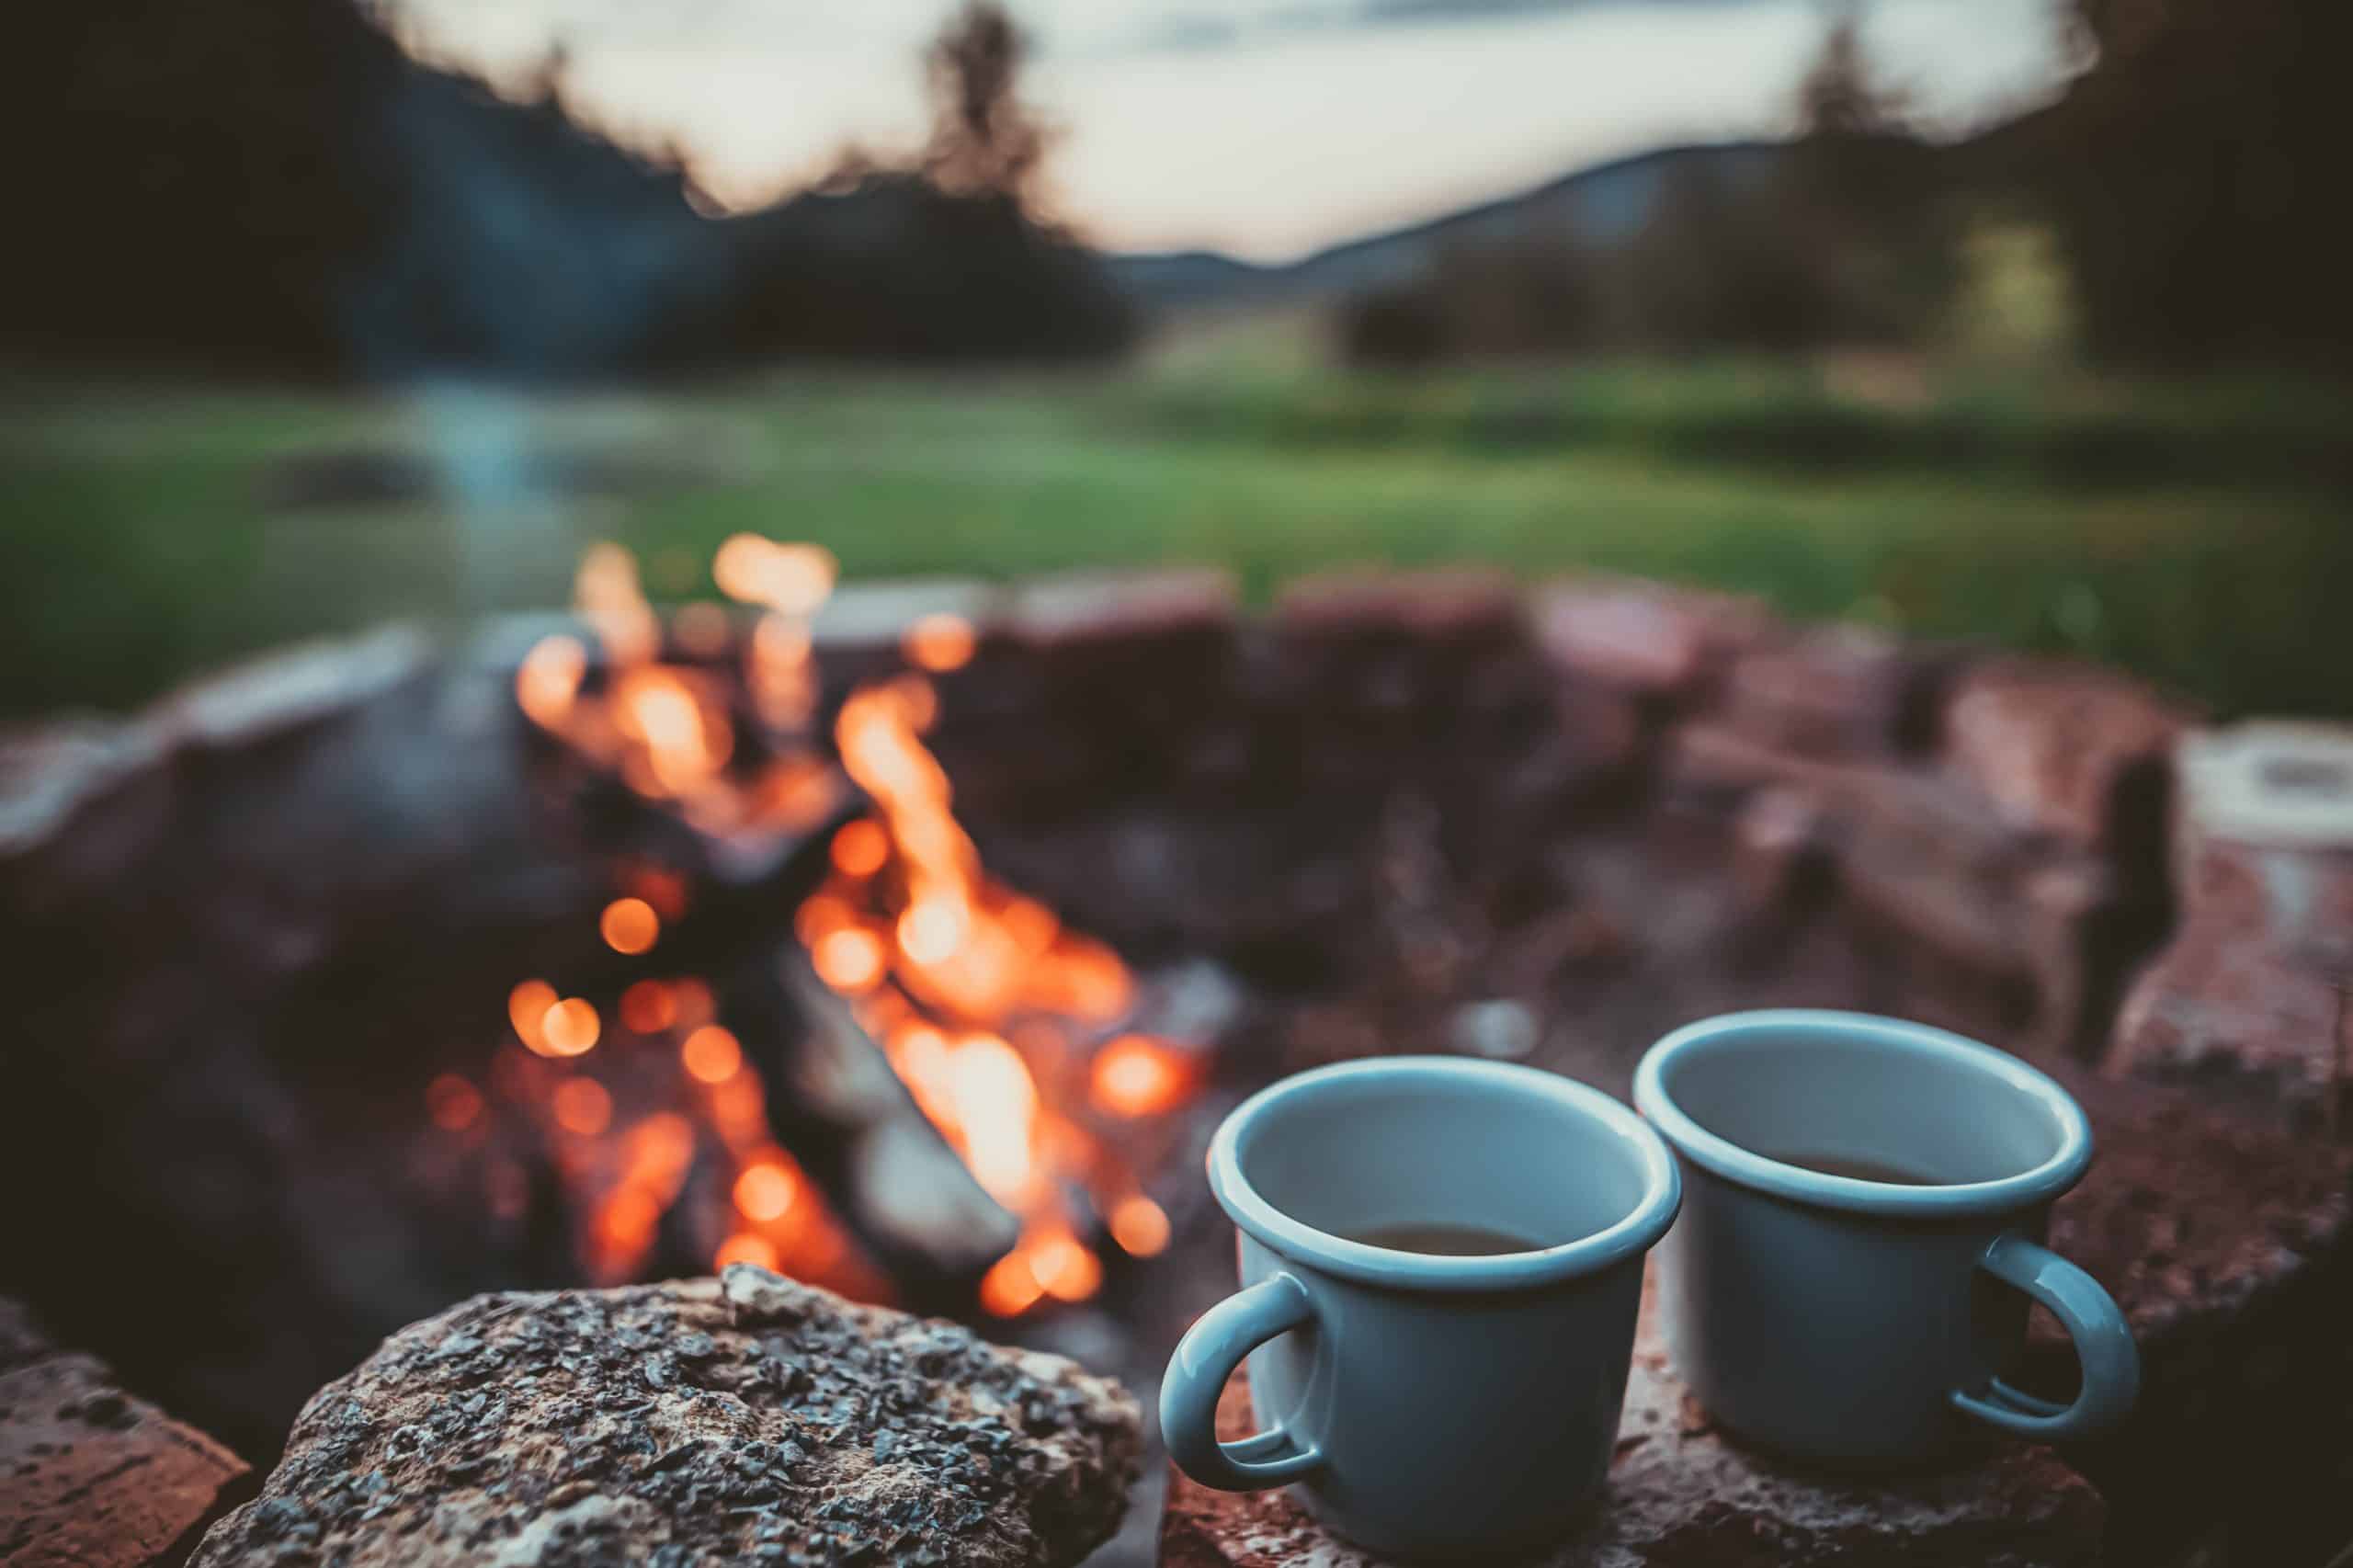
(1915, 852)
(2233, 1008)
(2192, 1213)
(1681, 1493)
(1083, 608)
(293, 689)
(2070, 749)
(747, 1419)
(89, 1476)
(2228, 1241)
(2252, 987)
(1836, 689)
(1439, 604)
(1646, 638)
(871, 615)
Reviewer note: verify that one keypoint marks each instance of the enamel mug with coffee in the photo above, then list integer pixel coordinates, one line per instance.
(1424, 1406)
(1865, 1205)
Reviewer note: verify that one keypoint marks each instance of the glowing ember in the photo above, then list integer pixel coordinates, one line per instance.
(568, 1029)
(630, 926)
(692, 1000)
(606, 591)
(681, 742)
(940, 644)
(1139, 1225)
(861, 849)
(648, 1008)
(745, 1247)
(1137, 1077)
(1067, 1271)
(849, 959)
(792, 578)
(1010, 1287)
(712, 1055)
(526, 1006)
(581, 1105)
(452, 1103)
(764, 1192)
(549, 680)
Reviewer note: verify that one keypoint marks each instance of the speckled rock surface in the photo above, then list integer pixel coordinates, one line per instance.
(746, 1420)
(1679, 1494)
(2228, 1240)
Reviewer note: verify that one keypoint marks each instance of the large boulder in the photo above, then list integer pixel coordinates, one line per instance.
(750, 1419)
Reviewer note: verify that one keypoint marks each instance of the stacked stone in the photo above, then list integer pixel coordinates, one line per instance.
(2253, 989)
(90, 1476)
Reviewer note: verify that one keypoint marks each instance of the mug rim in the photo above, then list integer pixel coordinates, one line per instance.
(1630, 1236)
(1720, 1156)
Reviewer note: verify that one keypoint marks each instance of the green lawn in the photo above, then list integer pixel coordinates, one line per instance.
(2200, 534)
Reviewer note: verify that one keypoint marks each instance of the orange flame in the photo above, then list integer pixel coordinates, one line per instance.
(547, 680)
(745, 1247)
(606, 590)
(940, 644)
(986, 1002)
(1018, 984)
(1135, 1077)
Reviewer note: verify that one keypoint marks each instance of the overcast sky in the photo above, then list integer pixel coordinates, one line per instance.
(1265, 128)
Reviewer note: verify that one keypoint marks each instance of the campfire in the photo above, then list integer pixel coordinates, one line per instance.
(1004, 1024)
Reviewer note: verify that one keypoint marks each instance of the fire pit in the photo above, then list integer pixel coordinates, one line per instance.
(909, 938)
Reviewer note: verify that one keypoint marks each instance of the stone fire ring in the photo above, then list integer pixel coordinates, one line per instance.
(2165, 910)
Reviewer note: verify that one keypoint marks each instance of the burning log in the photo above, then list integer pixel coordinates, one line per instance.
(853, 1126)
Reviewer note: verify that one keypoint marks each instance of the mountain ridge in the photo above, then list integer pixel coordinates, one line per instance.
(1604, 202)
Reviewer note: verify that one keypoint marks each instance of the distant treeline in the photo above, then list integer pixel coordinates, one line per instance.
(276, 186)
(2189, 175)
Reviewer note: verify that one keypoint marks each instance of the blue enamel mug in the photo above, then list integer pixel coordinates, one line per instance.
(1424, 1406)
(1865, 1202)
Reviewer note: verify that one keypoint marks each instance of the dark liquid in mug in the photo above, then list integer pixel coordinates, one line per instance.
(1444, 1241)
(1858, 1170)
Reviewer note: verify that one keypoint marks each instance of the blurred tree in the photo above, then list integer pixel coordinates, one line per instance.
(1839, 95)
(985, 140)
(276, 185)
(1870, 201)
(2193, 171)
(1845, 236)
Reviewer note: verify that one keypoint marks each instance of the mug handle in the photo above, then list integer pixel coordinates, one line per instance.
(2111, 1364)
(1205, 1359)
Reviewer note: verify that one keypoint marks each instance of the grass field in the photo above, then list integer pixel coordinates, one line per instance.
(2202, 534)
